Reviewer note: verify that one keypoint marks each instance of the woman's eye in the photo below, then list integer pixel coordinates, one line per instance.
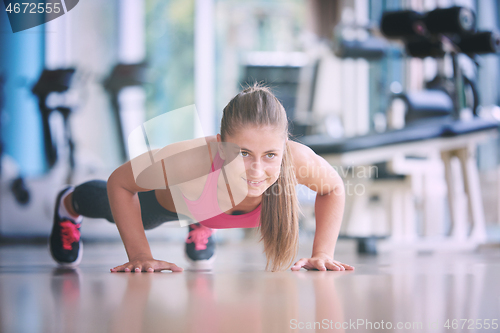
(270, 155)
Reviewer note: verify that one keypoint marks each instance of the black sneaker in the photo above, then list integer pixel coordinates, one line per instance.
(200, 246)
(65, 244)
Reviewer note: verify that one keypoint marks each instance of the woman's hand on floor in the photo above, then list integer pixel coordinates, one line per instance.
(146, 264)
(321, 263)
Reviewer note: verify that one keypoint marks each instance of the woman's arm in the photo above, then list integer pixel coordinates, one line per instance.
(182, 161)
(329, 209)
(314, 172)
(125, 206)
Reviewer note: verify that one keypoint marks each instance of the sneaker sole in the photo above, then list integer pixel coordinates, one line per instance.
(200, 264)
(68, 264)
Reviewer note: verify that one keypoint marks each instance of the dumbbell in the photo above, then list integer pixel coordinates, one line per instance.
(408, 24)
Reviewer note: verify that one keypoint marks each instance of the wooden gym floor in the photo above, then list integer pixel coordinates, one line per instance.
(405, 289)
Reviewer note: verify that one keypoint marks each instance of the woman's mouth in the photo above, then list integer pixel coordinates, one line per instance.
(254, 183)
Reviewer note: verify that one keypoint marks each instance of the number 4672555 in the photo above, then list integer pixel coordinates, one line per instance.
(33, 8)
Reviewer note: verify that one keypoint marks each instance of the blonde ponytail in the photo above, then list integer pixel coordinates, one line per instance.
(279, 220)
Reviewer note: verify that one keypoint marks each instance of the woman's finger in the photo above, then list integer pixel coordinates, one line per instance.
(175, 268)
(347, 267)
(299, 264)
(117, 268)
(320, 265)
(169, 266)
(121, 268)
(339, 265)
(332, 266)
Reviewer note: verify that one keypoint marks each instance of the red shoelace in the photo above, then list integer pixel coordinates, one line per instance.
(199, 236)
(70, 233)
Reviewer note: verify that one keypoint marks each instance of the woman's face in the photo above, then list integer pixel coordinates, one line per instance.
(261, 150)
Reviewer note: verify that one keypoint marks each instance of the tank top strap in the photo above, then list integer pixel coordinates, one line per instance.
(211, 160)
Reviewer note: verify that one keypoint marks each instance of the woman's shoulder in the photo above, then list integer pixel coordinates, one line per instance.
(176, 163)
(184, 149)
(299, 151)
(303, 157)
(186, 160)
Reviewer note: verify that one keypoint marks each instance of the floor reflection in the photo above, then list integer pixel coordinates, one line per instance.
(205, 302)
(418, 292)
(65, 288)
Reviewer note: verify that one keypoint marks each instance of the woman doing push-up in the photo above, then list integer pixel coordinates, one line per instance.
(214, 186)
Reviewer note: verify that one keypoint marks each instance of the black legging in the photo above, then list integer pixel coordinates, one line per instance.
(90, 199)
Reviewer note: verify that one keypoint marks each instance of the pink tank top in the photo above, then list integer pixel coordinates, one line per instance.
(208, 203)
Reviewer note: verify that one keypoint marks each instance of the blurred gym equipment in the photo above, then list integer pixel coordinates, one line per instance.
(51, 81)
(123, 75)
(25, 196)
(2, 82)
(408, 24)
(358, 42)
(281, 72)
(432, 126)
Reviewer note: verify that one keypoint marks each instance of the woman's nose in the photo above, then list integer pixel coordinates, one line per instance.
(256, 170)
